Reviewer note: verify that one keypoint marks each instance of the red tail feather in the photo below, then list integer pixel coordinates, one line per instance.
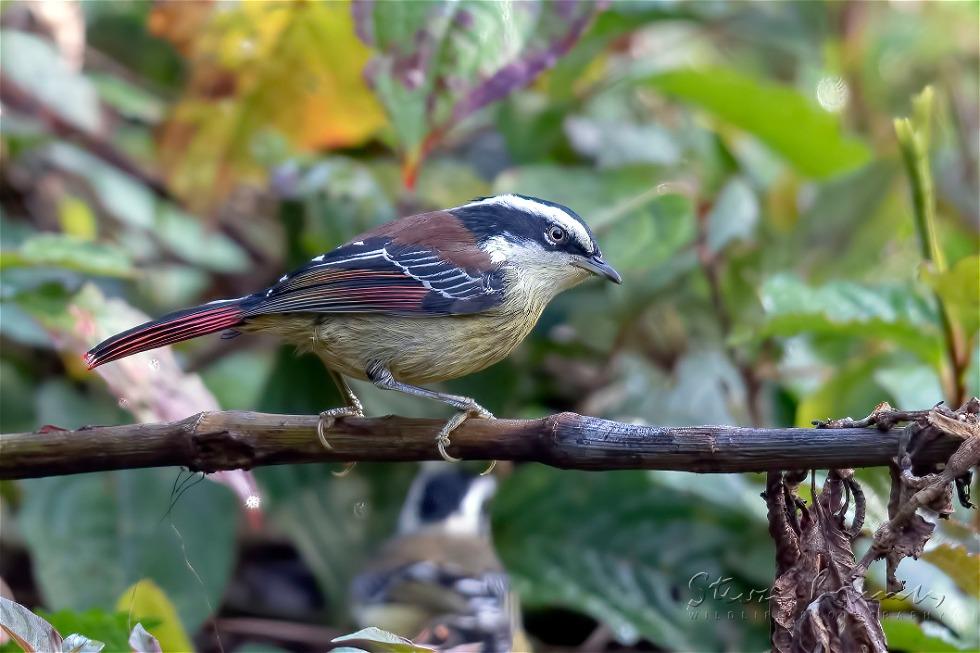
(182, 325)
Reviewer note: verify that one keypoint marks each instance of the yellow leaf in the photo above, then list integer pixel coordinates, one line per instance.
(77, 218)
(959, 564)
(144, 600)
(267, 79)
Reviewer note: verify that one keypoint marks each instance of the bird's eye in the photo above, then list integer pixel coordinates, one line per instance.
(556, 234)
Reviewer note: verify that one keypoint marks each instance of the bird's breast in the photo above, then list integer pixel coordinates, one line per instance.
(417, 350)
(421, 350)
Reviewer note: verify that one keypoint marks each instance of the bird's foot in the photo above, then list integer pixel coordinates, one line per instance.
(442, 438)
(329, 417)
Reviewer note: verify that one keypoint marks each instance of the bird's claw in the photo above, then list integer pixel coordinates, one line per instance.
(442, 438)
(345, 471)
(442, 441)
(329, 417)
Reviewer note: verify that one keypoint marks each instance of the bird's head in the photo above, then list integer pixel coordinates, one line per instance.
(447, 499)
(541, 241)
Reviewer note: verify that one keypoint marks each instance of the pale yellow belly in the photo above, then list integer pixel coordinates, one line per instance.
(416, 350)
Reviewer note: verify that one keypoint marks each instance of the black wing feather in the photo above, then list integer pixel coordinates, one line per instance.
(378, 276)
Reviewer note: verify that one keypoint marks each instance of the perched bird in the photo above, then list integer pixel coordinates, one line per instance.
(418, 300)
(439, 582)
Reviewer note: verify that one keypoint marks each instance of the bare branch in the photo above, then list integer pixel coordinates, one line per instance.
(216, 441)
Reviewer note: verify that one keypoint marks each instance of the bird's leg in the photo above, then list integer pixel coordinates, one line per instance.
(352, 408)
(381, 376)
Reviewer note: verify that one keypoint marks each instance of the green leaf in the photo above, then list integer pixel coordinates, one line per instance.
(69, 253)
(910, 386)
(114, 528)
(109, 627)
(17, 398)
(959, 290)
(800, 131)
(907, 635)
(703, 388)
(851, 391)
(632, 563)
(611, 142)
(845, 308)
(845, 219)
(128, 99)
(733, 216)
(37, 69)
(375, 640)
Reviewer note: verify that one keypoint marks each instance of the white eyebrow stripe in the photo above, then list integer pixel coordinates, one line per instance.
(572, 226)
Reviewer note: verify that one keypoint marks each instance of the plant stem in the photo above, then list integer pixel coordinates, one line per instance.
(914, 135)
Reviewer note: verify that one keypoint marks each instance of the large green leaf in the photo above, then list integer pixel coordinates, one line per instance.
(845, 308)
(93, 535)
(636, 554)
(800, 131)
(908, 635)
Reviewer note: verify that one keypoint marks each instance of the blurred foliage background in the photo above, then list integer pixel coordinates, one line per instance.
(737, 160)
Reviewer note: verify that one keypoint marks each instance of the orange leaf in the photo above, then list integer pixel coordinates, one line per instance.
(268, 79)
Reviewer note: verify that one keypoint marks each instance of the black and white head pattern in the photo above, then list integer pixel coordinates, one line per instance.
(504, 223)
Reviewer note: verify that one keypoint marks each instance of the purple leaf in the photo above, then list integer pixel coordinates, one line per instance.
(522, 72)
(363, 13)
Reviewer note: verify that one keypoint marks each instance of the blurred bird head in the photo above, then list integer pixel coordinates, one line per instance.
(439, 581)
(446, 499)
(541, 242)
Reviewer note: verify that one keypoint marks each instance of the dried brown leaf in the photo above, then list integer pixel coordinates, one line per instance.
(964, 429)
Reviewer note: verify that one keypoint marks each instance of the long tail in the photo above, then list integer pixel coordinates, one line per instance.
(182, 325)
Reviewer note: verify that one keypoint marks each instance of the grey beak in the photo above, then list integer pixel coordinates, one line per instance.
(596, 265)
